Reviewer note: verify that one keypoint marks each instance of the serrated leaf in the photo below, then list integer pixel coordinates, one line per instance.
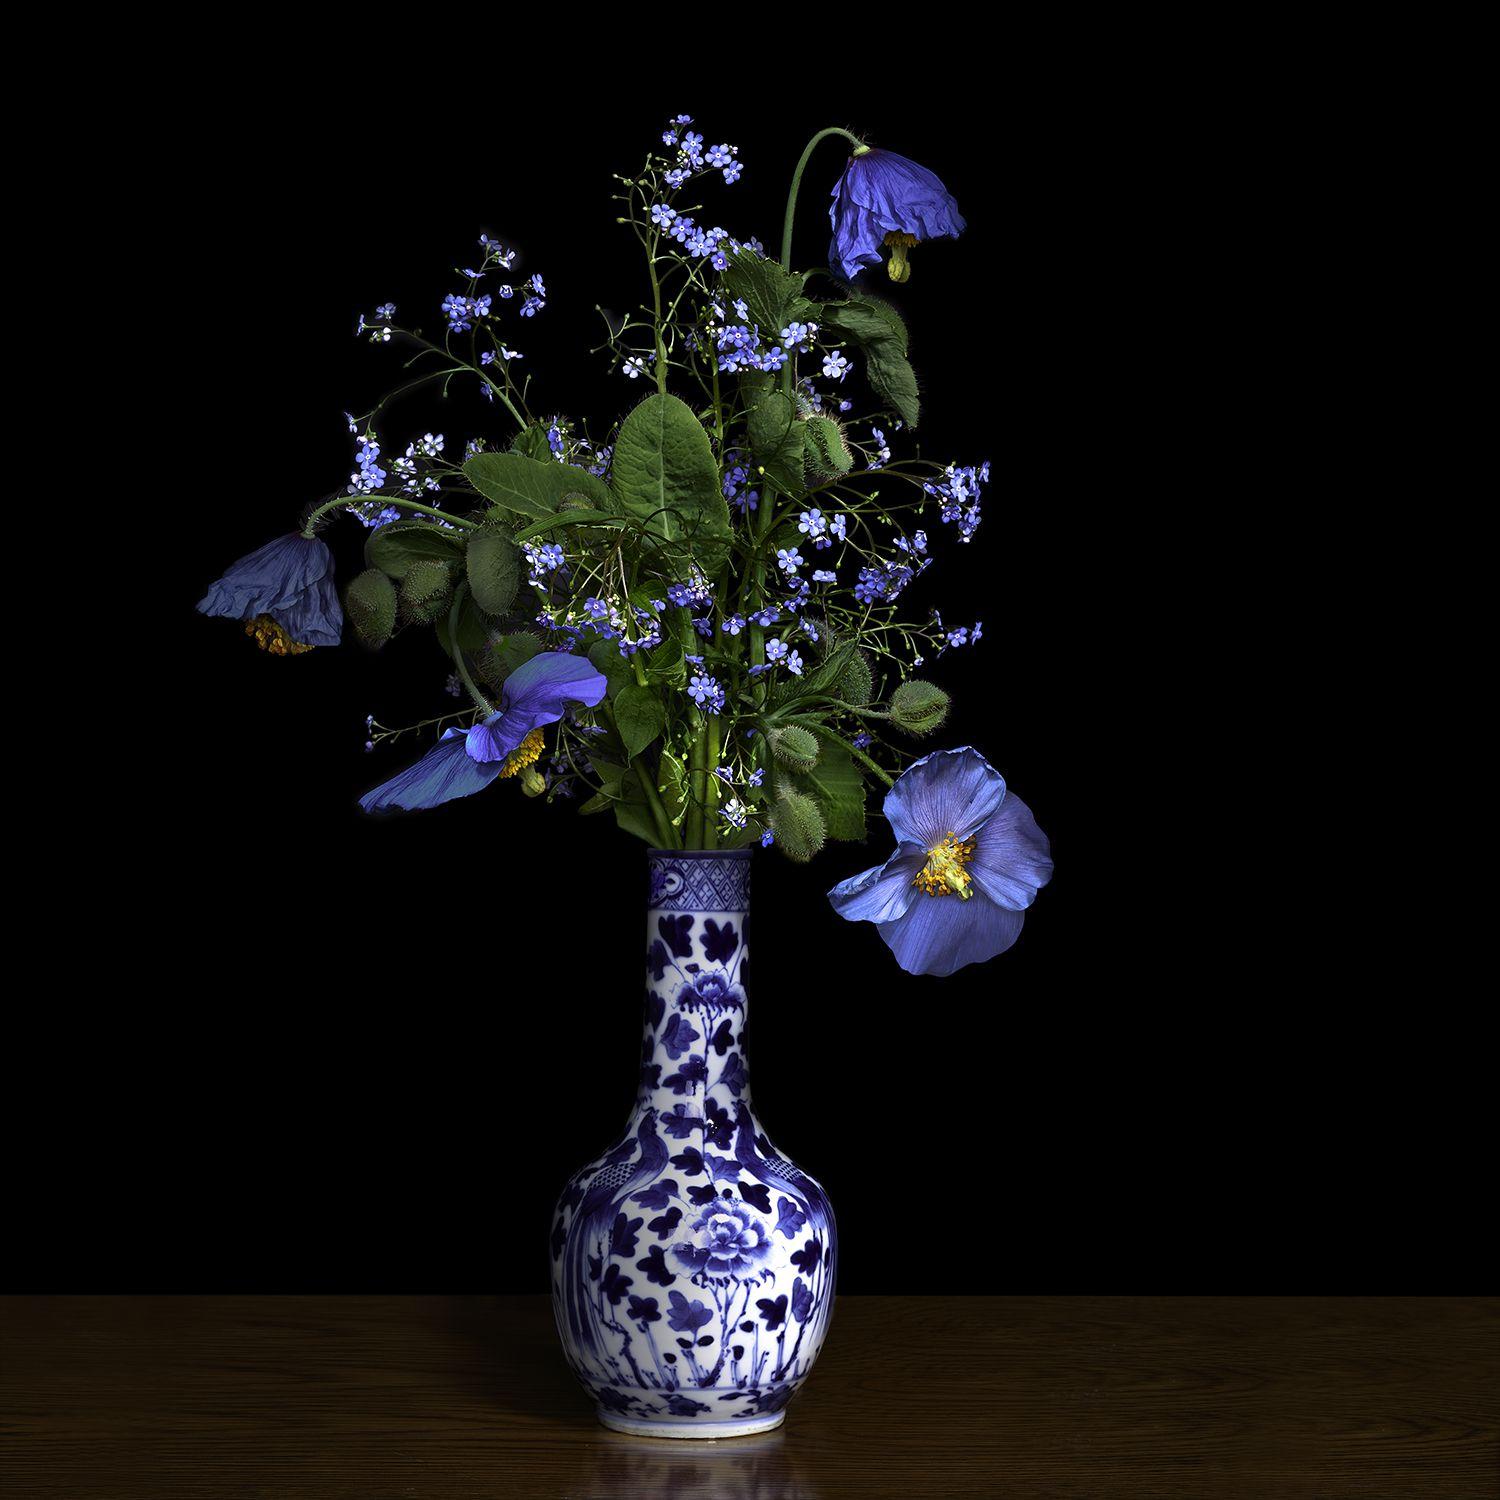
(532, 487)
(665, 477)
(771, 293)
(639, 716)
(394, 548)
(370, 603)
(494, 570)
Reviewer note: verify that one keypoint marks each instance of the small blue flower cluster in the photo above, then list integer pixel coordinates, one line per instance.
(959, 492)
(693, 157)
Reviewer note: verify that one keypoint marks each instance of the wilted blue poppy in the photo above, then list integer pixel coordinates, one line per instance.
(969, 860)
(885, 201)
(285, 591)
(465, 761)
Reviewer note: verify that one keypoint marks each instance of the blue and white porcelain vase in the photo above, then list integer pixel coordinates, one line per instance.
(692, 1265)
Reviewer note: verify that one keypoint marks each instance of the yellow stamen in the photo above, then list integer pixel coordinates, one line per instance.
(944, 870)
(897, 267)
(270, 636)
(528, 751)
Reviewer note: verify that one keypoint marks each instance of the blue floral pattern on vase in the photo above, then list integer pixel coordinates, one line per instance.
(692, 1265)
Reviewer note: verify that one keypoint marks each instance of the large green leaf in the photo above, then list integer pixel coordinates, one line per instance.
(877, 328)
(394, 548)
(664, 475)
(531, 487)
(639, 716)
(776, 438)
(494, 570)
(771, 293)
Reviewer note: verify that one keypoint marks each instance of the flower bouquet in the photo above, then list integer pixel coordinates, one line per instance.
(694, 620)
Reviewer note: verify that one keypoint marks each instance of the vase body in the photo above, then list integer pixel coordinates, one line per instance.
(692, 1264)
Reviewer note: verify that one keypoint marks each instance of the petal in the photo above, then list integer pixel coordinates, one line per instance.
(443, 774)
(270, 579)
(539, 691)
(1012, 858)
(949, 791)
(881, 894)
(492, 740)
(939, 934)
(901, 195)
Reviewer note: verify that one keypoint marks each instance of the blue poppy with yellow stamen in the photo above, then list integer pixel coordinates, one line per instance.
(463, 762)
(285, 590)
(969, 860)
(884, 201)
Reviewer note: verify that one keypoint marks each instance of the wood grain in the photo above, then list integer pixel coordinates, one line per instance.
(322, 1398)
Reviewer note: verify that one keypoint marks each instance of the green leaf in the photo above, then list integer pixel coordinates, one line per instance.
(772, 294)
(532, 442)
(639, 716)
(877, 328)
(836, 785)
(664, 475)
(394, 548)
(530, 487)
(501, 656)
(370, 602)
(494, 570)
(631, 812)
(605, 655)
(776, 438)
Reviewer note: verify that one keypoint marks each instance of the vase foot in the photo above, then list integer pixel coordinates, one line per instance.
(702, 1431)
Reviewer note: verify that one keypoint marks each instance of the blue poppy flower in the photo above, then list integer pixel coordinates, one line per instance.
(969, 860)
(288, 585)
(884, 200)
(465, 761)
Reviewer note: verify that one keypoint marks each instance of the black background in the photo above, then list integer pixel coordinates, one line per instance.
(334, 1053)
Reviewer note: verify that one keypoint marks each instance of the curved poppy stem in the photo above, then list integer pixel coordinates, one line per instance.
(791, 198)
(345, 501)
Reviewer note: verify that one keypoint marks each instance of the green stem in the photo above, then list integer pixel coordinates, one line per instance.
(664, 830)
(711, 784)
(791, 213)
(661, 348)
(459, 595)
(346, 500)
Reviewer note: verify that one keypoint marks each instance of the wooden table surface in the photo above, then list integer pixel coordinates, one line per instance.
(430, 1397)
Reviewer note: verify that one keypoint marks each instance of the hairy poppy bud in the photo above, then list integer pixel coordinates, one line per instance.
(919, 707)
(794, 747)
(798, 826)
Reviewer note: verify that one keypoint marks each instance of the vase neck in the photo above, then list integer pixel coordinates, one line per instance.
(693, 1067)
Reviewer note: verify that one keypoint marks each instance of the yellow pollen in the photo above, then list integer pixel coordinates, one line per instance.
(897, 267)
(270, 636)
(528, 751)
(944, 870)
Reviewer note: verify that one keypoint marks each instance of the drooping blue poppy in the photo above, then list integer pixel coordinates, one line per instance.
(287, 583)
(463, 762)
(885, 201)
(969, 860)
